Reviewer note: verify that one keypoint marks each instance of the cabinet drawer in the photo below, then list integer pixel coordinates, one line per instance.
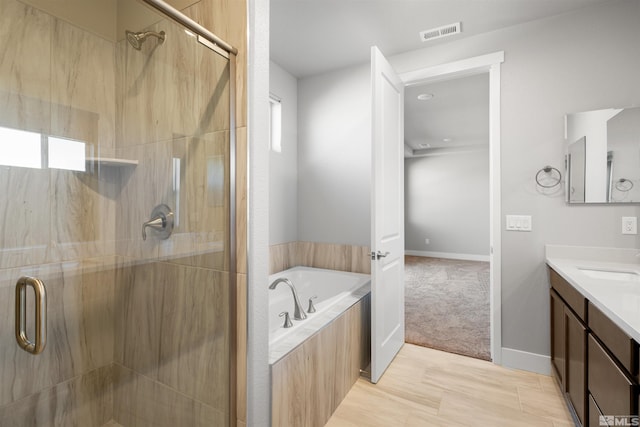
(594, 413)
(622, 346)
(608, 384)
(569, 294)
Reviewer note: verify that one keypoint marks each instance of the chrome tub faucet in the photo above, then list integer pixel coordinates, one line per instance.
(298, 312)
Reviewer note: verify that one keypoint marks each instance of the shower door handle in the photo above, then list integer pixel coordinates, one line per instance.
(40, 292)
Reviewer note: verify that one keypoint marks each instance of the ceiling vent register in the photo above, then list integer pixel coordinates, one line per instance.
(444, 31)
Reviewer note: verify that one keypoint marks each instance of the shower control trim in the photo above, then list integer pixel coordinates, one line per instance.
(161, 221)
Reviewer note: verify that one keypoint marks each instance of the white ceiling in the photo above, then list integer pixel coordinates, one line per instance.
(309, 37)
(458, 111)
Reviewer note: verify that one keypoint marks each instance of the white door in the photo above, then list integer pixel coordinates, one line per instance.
(387, 215)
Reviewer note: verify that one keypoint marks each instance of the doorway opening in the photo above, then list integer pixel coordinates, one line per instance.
(485, 67)
(447, 265)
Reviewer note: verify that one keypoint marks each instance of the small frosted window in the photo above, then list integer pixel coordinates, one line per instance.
(66, 154)
(275, 140)
(20, 148)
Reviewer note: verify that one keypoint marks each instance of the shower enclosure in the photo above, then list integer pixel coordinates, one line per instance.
(116, 121)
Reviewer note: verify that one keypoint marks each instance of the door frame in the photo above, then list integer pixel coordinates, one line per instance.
(489, 63)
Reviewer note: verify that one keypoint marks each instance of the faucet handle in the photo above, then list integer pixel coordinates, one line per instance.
(287, 319)
(312, 308)
(161, 221)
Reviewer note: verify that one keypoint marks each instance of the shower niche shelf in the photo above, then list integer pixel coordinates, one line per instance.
(111, 162)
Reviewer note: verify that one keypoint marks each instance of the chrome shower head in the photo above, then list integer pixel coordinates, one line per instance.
(136, 39)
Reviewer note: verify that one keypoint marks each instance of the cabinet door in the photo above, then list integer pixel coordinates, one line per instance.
(576, 366)
(557, 337)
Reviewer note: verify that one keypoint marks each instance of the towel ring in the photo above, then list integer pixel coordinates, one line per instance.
(624, 184)
(549, 170)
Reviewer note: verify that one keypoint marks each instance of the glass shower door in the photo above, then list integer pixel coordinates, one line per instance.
(108, 110)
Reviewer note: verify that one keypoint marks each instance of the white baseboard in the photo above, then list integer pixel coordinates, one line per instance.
(448, 255)
(526, 361)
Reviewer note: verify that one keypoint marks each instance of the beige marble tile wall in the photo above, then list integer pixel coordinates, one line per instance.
(63, 220)
(320, 255)
(79, 350)
(52, 82)
(227, 19)
(80, 401)
(174, 108)
(57, 225)
(172, 325)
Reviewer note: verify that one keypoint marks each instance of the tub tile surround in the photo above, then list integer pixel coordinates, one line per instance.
(321, 370)
(107, 288)
(355, 259)
(314, 323)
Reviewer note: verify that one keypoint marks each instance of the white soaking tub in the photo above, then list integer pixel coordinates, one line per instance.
(336, 291)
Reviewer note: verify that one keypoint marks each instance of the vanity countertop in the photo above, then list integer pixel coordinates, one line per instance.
(618, 298)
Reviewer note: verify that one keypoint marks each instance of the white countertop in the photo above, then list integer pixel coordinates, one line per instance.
(618, 299)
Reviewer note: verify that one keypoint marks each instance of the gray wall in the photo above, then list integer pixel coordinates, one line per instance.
(447, 201)
(574, 62)
(283, 166)
(334, 157)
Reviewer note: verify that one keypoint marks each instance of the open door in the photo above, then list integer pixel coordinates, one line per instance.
(387, 215)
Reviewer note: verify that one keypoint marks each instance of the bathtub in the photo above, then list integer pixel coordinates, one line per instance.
(336, 291)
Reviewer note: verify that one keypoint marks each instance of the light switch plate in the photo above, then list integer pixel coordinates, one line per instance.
(629, 225)
(519, 222)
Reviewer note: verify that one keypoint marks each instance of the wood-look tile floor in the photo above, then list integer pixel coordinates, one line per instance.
(426, 387)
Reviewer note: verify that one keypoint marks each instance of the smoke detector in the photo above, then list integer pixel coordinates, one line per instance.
(444, 31)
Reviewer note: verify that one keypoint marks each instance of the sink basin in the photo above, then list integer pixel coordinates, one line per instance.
(627, 276)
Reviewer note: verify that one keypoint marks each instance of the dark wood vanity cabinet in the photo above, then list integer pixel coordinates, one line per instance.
(596, 363)
(558, 338)
(569, 344)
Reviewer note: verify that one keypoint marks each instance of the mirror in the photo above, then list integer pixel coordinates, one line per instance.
(603, 156)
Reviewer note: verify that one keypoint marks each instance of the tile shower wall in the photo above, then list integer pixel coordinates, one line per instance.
(58, 225)
(172, 310)
(125, 341)
(320, 255)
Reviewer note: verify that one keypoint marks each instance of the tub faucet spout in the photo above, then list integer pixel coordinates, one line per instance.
(298, 312)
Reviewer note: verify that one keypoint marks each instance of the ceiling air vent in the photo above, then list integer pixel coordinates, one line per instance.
(444, 31)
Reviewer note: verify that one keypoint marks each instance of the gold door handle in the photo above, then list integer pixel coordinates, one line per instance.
(40, 292)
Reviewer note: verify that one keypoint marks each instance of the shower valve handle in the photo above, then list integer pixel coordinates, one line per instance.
(161, 221)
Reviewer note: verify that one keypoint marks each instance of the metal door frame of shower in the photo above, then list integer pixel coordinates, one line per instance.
(224, 49)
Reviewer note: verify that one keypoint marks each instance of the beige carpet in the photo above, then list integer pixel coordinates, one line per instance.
(447, 305)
